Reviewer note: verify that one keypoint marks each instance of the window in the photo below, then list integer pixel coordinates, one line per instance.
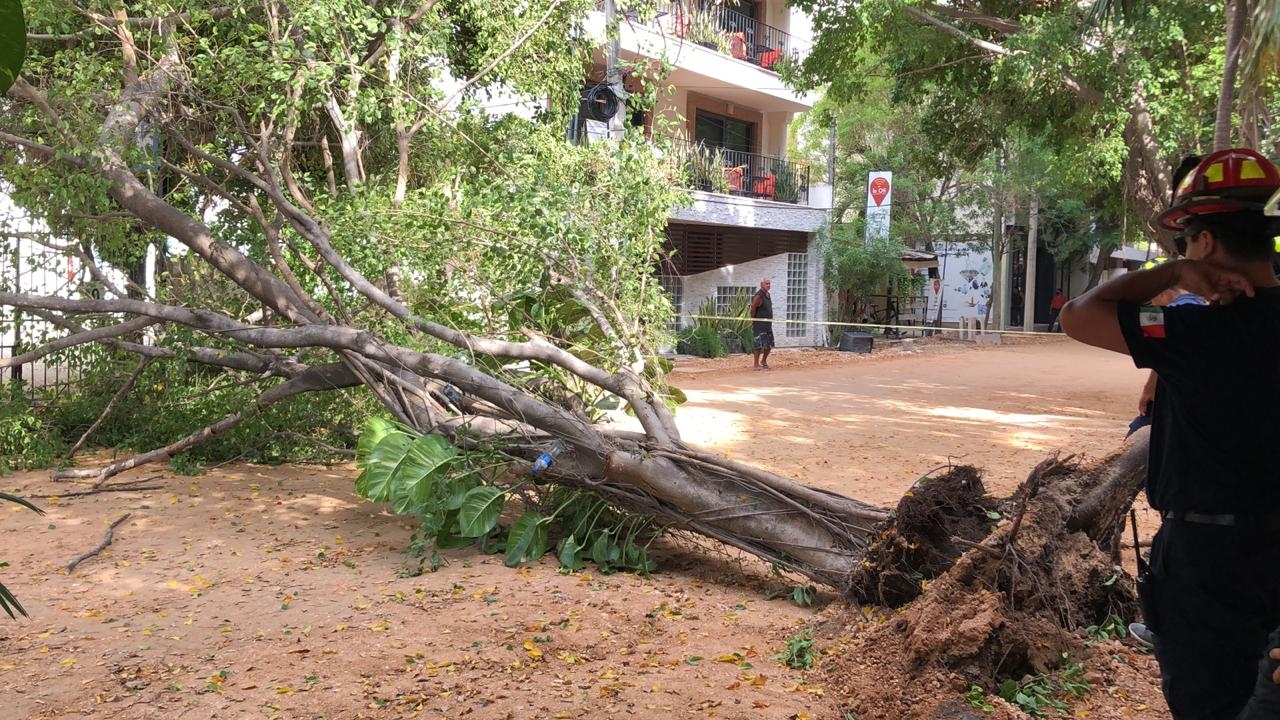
(722, 132)
(673, 286)
(797, 294)
(726, 293)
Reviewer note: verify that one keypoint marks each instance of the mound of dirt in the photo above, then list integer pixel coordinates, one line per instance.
(933, 525)
(1014, 604)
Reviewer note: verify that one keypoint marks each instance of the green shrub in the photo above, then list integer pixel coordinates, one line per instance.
(26, 441)
(702, 341)
(173, 399)
(799, 652)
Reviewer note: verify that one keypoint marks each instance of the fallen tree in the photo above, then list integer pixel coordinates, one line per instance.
(310, 247)
(343, 224)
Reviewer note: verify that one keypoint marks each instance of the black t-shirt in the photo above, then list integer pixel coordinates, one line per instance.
(1215, 428)
(766, 306)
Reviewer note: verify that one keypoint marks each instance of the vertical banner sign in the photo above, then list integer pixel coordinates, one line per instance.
(879, 200)
(935, 300)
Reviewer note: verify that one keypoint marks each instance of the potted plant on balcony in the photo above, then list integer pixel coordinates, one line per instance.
(786, 187)
(701, 28)
(706, 169)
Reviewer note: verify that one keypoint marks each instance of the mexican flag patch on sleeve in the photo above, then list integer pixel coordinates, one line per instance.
(1151, 321)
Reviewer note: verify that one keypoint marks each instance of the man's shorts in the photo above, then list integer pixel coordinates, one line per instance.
(763, 339)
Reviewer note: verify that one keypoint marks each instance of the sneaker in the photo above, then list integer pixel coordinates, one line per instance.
(1144, 636)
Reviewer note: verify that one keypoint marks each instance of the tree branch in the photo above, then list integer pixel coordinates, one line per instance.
(124, 390)
(327, 377)
(138, 199)
(80, 338)
(1001, 25)
(957, 32)
(71, 566)
(524, 37)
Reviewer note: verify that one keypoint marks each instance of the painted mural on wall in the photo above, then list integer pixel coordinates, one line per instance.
(964, 283)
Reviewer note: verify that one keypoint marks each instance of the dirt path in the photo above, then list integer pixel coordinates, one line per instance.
(255, 592)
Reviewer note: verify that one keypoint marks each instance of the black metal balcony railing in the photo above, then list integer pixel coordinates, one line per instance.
(733, 172)
(727, 31)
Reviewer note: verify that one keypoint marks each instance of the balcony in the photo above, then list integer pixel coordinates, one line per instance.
(722, 53)
(744, 174)
(726, 31)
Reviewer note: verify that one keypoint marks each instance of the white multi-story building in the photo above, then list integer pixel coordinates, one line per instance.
(755, 214)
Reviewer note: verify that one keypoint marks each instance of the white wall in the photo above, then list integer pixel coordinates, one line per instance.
(697, 288)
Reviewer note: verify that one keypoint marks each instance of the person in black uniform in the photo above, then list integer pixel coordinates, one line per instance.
(1212, 594)
(762, 326)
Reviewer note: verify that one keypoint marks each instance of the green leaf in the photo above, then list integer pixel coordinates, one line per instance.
(425, 461)
(457, 490)
(527, 539)
(480, 510)
(676, 395)
(374, 430)
(605, 551)
(9, 603)
(449, 535)
(571, 554)
(375, 482)
(13, 43)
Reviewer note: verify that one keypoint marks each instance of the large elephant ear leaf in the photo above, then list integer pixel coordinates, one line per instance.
(375, 481)
(13, 42)
(426, 463)
(480, 510)
(527, 539)
(375, 429)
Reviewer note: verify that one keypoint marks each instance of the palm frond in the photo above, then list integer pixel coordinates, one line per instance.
(20, 501)
(1262, 56)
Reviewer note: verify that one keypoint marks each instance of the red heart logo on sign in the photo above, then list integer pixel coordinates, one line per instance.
(879, 190)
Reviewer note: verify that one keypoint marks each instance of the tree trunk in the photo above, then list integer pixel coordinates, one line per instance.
(1148, 186)
(1237, 18)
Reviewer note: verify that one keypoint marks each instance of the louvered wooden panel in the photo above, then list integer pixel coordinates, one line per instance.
(699, 248)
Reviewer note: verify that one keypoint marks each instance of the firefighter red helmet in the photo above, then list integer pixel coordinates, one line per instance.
(1224, 181)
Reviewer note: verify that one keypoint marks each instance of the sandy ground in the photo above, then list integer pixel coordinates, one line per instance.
(256, 592)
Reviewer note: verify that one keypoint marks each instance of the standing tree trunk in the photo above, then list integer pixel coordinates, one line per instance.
(1237, 17)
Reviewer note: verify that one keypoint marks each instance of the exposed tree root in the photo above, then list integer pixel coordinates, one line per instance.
(990, 616)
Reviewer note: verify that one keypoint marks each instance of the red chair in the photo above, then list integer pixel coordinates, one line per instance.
(769, 58)
(764, 187)
(734, 176)
(738, 45)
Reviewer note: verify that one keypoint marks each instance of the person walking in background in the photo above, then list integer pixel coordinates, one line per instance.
(762, 326)
(1058, 302)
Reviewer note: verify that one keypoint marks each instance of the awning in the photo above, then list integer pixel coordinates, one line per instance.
(1128, 253)
(919, 259)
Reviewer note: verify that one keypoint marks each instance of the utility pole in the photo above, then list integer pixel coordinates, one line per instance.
(1000, 249)
(1029, 290)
